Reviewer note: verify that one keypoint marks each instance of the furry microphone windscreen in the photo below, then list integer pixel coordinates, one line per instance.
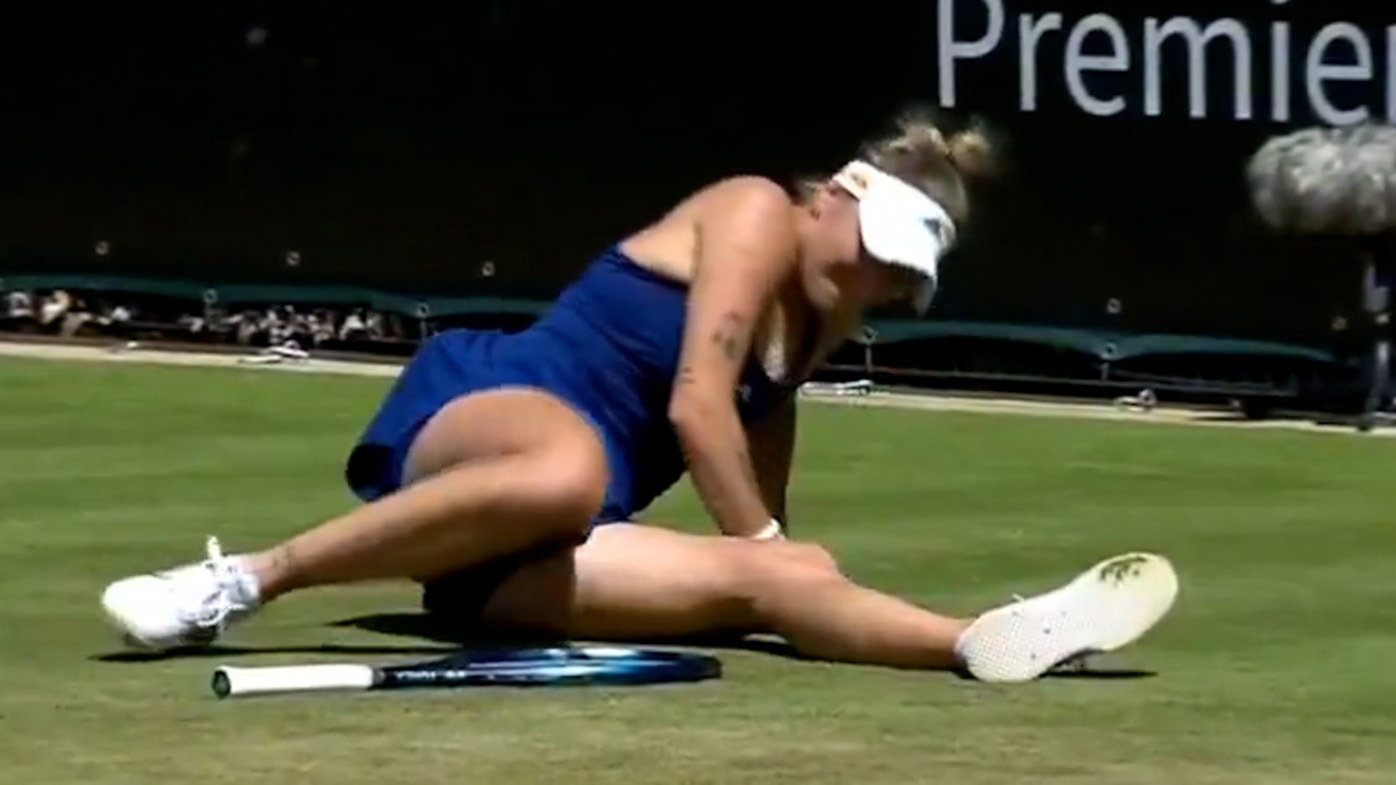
(1329, 181)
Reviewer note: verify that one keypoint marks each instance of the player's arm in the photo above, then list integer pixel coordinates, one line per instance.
(745, 246)
(772, 440)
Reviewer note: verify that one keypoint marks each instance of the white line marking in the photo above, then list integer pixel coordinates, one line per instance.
(920, 401)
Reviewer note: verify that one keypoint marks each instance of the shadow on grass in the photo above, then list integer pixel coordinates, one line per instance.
(1085, 674)
(434, 628)
(1102, 674)
(244, 651)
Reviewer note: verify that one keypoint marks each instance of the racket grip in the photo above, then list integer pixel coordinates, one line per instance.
(233, 682)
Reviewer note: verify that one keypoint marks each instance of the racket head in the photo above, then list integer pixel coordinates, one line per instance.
(555, 666)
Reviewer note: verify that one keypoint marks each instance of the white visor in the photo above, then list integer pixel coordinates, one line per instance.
(900, 224)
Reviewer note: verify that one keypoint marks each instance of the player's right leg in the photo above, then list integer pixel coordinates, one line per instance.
(501, 471)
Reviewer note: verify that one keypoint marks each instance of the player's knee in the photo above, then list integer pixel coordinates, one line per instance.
(762, 575)
(811, 555)
(793, 558)
(566, 487)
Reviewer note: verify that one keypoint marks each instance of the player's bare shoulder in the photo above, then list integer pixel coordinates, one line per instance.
(759, 198)
(748, 211)
(735, 218)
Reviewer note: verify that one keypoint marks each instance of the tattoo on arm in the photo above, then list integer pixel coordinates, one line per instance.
(285, 559)
(727, 335)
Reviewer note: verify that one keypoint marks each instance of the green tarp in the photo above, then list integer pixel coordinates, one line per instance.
(1102, 344)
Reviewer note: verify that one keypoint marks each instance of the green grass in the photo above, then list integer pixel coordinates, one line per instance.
(1272, 668)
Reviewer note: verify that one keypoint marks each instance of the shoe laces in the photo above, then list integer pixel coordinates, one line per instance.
(219, 597)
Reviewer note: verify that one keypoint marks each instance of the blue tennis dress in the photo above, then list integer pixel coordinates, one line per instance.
(609, 347)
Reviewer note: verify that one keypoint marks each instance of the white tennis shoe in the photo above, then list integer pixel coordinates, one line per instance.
(1106, 608)
(187, 606)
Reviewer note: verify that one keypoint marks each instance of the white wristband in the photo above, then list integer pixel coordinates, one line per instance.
(773, 531)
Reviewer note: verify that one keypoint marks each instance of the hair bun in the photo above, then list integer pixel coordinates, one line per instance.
(919, 138)
(920, 145)
(971, 153)
(937, 163)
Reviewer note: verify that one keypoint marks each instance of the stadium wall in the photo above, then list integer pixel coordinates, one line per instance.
(489, 149)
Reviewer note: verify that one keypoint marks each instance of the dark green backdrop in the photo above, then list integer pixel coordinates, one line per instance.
(403, 145)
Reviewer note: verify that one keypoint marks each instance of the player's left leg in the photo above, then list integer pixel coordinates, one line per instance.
(632, 582)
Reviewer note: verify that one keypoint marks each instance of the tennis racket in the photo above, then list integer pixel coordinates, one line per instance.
(523, 667)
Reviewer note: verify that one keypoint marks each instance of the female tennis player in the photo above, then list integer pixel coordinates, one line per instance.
(507, 470)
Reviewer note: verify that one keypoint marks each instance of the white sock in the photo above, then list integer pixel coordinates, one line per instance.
(249, 590)
(960, 644)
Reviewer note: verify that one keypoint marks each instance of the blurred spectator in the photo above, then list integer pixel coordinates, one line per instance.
(64, 313)
(19, 305)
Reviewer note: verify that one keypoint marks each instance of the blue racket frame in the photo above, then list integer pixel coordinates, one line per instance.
(554, 666)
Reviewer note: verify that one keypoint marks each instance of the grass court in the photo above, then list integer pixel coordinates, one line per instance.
(1271, 670)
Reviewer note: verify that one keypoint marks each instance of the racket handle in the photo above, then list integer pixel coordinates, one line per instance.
(231, 682)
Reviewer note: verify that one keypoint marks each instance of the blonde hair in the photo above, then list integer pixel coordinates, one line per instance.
(922, 155)
(919, 153)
